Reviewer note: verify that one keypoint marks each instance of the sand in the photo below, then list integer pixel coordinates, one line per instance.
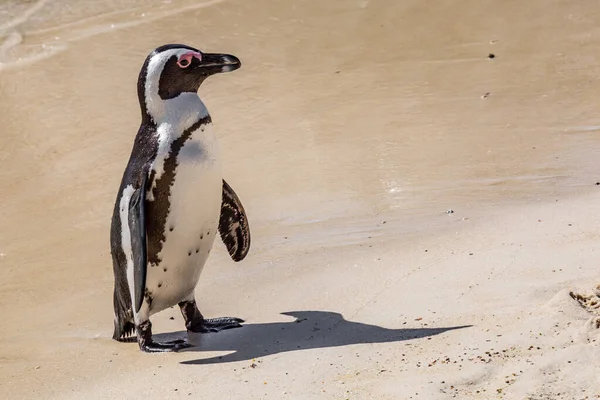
(350, 132)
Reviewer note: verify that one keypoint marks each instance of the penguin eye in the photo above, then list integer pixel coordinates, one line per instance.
(184, 63)
(185, 60)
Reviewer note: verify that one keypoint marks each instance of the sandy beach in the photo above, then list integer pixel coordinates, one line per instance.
(421, 180)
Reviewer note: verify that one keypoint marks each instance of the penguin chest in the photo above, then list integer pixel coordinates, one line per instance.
(190, 210)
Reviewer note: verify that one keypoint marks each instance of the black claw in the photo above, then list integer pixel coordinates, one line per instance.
(173, 346)
(215, 324)
(223, 323)
(182, 346)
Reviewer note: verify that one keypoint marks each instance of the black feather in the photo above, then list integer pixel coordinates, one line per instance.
(233, 225)
(137, 227)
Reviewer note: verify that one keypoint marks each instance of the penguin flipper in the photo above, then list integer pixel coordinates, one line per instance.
(233, 225)
(137, 227)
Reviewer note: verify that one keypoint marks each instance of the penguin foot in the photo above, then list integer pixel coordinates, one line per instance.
(144, 333)
(223, 323)
(172, 346)
(195, 321)
(214, 324)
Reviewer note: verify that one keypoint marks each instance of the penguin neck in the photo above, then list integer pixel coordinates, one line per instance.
(179, 113)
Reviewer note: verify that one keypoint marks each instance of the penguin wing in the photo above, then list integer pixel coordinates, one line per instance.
(233, 224)
(137, 228)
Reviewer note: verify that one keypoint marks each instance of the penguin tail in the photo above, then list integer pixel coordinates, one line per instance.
(124, 333)
(124, 325)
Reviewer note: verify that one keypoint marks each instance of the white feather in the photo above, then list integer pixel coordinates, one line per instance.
(181, 111)
(195, 200)
(126, 237)
(173, 116)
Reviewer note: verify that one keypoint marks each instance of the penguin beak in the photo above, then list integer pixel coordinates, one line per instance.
(216, 63)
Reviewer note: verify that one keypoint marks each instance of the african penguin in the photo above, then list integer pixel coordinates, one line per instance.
(172, 200)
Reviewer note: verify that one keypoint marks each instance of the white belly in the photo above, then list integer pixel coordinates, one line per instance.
(191, 225)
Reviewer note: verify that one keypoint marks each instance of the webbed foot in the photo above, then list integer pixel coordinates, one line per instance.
(222, 323)
(173, 346)
(144, 333)
(195, 322)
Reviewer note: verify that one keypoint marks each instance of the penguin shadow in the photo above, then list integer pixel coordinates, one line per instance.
(310, 330)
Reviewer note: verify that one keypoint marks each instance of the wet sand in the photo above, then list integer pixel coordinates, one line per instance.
(350, 130)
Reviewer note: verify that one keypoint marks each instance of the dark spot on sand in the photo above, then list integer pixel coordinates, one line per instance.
(171, 229)
(189, 253)
(207, 233)
(160, 284)
(164, 269)
(197, 251)
(491, 55)
(201, 236)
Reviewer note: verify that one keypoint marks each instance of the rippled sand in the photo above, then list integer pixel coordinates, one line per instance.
(350, 130)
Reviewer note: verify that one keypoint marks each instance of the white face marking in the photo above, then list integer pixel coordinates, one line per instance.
(173, 116)
(182, 110)
(126, 238)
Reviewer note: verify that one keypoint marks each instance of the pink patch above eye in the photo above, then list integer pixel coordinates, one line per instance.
(185, 60)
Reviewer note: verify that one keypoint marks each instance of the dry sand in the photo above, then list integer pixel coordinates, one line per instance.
(349, 131)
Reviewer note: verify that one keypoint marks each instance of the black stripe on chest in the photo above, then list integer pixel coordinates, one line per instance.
(158, 210)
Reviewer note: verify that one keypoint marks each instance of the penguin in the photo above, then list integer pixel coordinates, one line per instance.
(172, 200)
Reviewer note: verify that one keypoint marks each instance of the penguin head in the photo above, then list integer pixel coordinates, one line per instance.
(175, 69)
